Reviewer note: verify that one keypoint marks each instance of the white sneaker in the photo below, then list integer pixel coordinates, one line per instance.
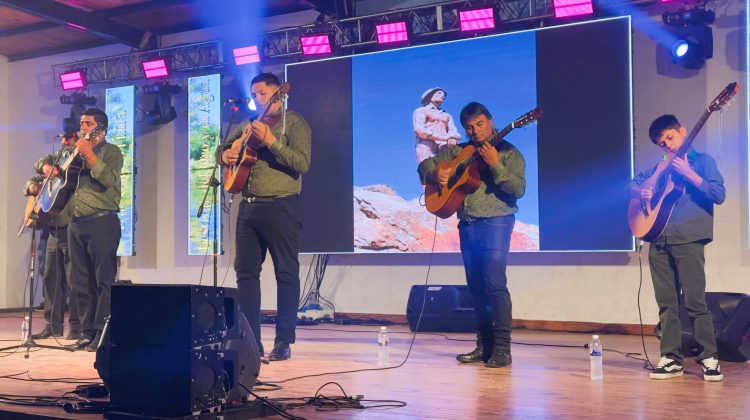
(667, 368)
(711, 369)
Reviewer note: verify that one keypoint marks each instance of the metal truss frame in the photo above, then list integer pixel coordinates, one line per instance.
(350, 35)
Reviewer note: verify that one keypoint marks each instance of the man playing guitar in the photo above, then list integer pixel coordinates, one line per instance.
(676, 256)
(486, 219)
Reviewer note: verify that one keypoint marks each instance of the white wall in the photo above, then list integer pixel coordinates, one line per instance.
(565, 287)
(4, 178)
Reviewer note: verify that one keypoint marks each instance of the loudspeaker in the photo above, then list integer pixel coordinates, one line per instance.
(446, 309)
(171, 350)
(731, 317)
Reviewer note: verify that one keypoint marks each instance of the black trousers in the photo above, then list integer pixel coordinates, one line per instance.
(675, 268)
(275, 227)
(93, 256)
(58, 284)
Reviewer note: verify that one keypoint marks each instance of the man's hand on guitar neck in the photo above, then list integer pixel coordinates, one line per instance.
(489, 154)
(682, 167)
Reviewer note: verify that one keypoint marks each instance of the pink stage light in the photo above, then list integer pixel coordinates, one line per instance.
(315, 44)
(155, 68)
(567, 8)
(73, 80)
(389, 33)
(246, 55)
(472, 20)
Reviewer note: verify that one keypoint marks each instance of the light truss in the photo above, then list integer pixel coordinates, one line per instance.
(425, 22)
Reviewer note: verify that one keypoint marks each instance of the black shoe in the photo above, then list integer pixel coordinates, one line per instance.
(73, 335)
(499, 359)
(81, 344)
(281, 351)
(93, 346)
(667, 368)
(46, 333)
(477, 355)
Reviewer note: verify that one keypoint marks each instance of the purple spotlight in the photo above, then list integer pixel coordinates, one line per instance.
(155, 68)
(472, 20)
(246, 55)
(316, 44)
(389, 33)
(568, 8)
(73, 80)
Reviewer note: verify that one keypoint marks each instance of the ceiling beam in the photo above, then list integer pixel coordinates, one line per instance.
(58, 50)
(61, 14)
(20, 30)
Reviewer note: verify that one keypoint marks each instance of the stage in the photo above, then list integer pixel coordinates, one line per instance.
(543, 382)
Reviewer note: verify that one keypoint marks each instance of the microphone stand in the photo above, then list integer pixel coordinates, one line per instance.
(28, 342)
(213, 185)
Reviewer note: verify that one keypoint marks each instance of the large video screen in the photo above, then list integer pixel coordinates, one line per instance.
(374, 117)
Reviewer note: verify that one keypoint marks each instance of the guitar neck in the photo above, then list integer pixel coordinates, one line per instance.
(693, 133)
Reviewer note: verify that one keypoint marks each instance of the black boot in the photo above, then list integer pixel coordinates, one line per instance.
(483, 350)
(501, 349)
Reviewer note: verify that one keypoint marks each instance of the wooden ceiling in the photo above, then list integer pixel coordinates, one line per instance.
(36, 28)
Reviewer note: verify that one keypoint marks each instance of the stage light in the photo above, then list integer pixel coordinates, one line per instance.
(163, 111)
(73, 80)
(478, 19)
(570, 8)
(316, 44)
(77, 99)
(694, 45)
(246, 55)
(155, 68)
(689, 17)
(392, 33)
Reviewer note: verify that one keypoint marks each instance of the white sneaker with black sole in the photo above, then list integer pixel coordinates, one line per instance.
(667, 368)
(711, 370)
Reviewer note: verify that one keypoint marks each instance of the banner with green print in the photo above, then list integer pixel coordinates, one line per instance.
(120, 109)
(204, 124)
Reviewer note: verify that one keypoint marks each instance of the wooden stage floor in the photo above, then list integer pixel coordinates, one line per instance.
(544, 381)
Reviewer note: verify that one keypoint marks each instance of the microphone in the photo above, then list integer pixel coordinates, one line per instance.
(238, 101)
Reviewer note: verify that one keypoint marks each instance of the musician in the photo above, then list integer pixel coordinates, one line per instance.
(486, 219)
(94, 231)
(56, 273)
(270, 214)
(676, 257)
(433, 126)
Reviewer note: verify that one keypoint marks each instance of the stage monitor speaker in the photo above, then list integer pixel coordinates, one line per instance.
(731, 318)
(446, 309)
(147, 373)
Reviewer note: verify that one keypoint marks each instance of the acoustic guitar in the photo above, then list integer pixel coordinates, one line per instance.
(33, 215)
(444, 200)
(58, 190)
(648, 218)
(236, 176)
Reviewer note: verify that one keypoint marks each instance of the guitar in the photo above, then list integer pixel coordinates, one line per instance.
(236, 176)
(444, 200)
(648, 218)
(33, 215)
(58, 190)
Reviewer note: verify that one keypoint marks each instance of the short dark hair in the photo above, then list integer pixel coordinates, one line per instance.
(665, 122)
(100, 117)
(267, 78)
(472, 110)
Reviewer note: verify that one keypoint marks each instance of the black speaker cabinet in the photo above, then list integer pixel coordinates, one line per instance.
(731, 316)
(446, 309)
(171, 350)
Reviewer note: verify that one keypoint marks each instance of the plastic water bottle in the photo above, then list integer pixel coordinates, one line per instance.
(25, 328)
(596, 358)
(383, 347)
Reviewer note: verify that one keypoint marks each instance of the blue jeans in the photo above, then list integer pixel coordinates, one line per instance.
(485, 244)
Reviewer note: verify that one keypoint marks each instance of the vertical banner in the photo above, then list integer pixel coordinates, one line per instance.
(204, 115)
(120, 109)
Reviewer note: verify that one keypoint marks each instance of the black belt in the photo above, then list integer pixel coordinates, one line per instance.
(91, 217)
(254, 199)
